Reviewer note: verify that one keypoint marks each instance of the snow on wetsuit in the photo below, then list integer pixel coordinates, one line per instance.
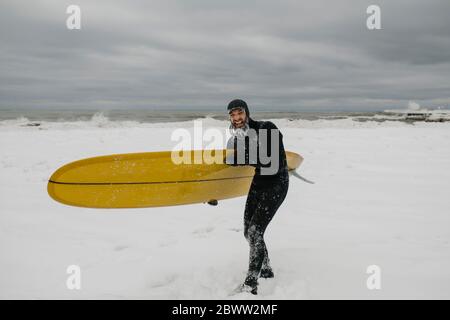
(266, 194)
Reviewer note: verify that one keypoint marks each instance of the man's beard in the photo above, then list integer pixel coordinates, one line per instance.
(239, 133)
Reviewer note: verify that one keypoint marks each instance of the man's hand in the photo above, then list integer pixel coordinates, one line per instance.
(229, 157)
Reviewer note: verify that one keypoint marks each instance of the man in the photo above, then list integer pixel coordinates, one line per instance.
(268, 188)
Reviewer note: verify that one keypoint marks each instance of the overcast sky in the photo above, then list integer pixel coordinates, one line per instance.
(299, 55)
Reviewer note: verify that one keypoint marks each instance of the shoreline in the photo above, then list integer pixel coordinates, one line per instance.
(100, 120)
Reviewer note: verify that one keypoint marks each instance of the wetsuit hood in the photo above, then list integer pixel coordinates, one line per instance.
(238, 103)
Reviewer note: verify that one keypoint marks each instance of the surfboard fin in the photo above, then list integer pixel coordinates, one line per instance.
(295, 174)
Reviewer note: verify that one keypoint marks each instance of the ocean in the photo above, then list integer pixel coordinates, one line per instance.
(161, 116)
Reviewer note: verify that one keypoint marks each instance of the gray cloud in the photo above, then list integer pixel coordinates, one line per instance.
(276, 54)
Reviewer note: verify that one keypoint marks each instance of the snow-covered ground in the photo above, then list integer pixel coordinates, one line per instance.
(381, 198)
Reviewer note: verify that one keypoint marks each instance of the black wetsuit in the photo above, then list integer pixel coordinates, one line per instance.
(266, 194)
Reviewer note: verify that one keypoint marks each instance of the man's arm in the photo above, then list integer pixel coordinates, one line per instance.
(231, 157)
(271, 148)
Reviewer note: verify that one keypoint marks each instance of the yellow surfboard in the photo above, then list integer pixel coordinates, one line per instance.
(152, 179)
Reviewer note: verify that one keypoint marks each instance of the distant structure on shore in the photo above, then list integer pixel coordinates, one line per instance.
(415, 112)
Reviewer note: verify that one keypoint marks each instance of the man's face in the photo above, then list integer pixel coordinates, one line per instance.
(238, 117)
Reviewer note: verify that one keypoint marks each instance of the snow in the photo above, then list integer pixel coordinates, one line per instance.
(380, 198)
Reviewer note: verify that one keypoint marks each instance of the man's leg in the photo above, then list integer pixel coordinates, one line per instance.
(250, 205)
(266, 269)
(256, 256)
(269, 200)
(262, 204)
